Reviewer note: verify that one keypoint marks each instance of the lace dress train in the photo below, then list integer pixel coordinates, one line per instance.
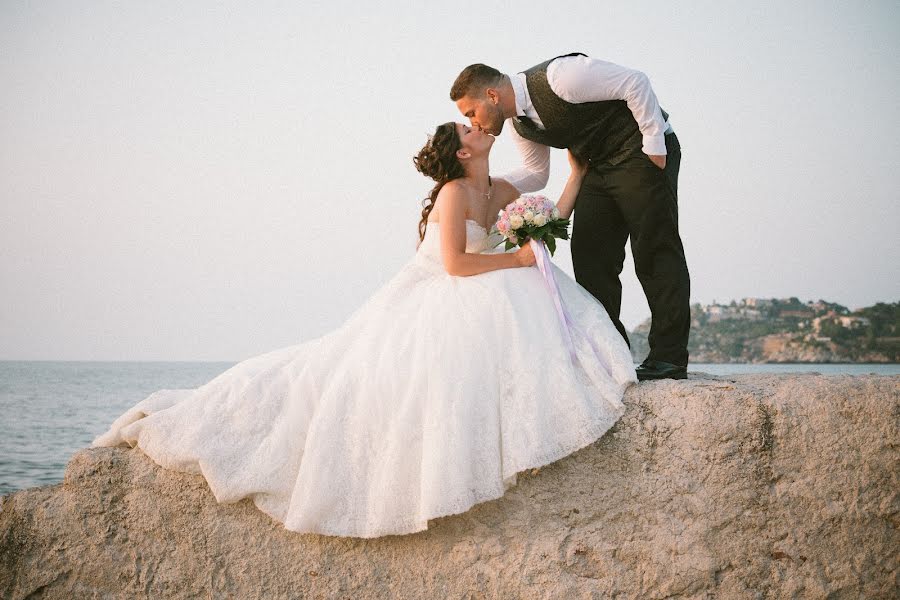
(427, 400)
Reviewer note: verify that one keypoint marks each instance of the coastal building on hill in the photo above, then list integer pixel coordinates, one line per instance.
(787, 330)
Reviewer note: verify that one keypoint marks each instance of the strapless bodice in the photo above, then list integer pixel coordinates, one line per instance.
(478, 240)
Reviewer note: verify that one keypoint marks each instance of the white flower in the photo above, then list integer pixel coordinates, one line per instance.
(529, 216)
(540, 220)
(555, 213)
(520, 201)
(516, 221)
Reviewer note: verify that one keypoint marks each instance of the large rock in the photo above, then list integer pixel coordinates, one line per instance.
(741, 487)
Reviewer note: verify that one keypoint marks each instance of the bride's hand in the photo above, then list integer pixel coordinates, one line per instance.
(579, 166)
(525, 256)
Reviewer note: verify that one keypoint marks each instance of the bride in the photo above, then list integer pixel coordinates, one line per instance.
(448, 381)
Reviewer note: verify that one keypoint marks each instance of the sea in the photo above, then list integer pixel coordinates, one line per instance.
(48, 409)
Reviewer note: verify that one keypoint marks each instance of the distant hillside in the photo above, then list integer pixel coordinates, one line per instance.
(770, 330)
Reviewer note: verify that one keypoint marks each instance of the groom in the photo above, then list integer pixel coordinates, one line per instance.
(608, 116)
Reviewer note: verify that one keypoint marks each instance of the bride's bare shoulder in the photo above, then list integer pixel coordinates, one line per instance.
(454, 187)
(453, 192)
(452, 201)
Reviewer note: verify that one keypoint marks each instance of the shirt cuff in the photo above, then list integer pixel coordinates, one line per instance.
(655, 145)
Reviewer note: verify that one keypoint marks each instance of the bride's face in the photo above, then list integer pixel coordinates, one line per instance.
(474, 141)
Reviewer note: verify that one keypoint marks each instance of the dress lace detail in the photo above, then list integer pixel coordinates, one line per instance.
(427, 400)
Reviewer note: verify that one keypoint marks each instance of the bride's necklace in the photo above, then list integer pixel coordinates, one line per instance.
(487, 194)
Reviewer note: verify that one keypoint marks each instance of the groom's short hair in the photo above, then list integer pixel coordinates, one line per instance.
(473, 80)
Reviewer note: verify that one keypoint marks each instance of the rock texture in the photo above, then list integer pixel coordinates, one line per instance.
(742, 487)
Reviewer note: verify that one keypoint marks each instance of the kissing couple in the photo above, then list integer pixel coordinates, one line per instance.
(458, 373)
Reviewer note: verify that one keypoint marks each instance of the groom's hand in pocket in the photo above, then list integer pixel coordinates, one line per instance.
(658, 159)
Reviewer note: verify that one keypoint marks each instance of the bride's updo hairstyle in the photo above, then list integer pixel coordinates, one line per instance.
(438, 160)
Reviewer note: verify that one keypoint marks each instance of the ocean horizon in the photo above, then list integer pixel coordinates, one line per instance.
(54, 408)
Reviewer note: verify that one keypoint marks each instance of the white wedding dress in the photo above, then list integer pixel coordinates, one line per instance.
(428, 400)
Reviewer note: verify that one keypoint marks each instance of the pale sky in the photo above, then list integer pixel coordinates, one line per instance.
(210, 181)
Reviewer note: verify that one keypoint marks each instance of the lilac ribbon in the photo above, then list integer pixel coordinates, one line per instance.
(542, 258)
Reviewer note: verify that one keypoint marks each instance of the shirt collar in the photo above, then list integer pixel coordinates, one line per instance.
(520, 89)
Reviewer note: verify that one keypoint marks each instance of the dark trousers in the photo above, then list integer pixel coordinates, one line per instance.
(638, 199)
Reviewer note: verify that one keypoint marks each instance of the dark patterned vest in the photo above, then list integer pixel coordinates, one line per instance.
(602, 131)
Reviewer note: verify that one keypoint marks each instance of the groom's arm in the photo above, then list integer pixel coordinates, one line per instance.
(535, 170)
(579, 79)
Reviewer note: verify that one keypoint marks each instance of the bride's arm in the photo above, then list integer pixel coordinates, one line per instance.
(566, 202)
(457, 261)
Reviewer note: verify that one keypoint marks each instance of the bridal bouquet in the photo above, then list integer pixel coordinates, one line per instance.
(533, 217)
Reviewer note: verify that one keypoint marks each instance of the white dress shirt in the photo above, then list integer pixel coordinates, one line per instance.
(579, 79)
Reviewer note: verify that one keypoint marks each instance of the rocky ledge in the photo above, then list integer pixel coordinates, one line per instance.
(716, 487)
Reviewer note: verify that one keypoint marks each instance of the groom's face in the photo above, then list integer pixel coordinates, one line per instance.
(483, 112)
